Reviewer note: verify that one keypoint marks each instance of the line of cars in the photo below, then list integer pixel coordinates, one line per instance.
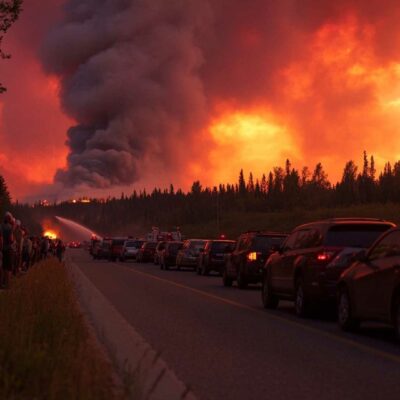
(352, 264)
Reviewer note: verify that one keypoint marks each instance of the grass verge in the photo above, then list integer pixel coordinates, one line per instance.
(46, 351)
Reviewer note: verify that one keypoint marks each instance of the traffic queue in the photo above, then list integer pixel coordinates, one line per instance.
(352, 264)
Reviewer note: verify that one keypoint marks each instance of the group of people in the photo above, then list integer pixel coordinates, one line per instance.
(19, 251)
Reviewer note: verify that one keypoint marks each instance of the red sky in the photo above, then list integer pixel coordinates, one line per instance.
(324, 90)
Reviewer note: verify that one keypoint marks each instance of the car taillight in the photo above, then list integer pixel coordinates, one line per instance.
(253, 256)
(325, 256)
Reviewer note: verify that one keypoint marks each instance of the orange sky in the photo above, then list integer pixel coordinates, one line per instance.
(326, 94)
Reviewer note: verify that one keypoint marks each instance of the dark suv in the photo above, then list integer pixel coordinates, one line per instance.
(212, 258)
(307, 267)
(245, 263)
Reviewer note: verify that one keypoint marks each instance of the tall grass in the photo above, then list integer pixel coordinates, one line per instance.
(46, 351)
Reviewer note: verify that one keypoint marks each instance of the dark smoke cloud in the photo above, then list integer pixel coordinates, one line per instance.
(129, 73)
(140, 77)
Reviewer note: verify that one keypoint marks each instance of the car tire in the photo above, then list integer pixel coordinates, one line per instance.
(301, 301)
(204, 270)
(198, 269)
(345, 319)
(226, 280)
(269, 300)
(241, 279)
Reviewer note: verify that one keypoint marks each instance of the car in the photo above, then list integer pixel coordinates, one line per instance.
(116, 247)
(159, 249)
(245, 263)
(189, 254)
(212, 258)
(74, 245)
(169, 254)
(304, 270)
(102, 250)
(146, 252)
(369, 290)
(130, 249)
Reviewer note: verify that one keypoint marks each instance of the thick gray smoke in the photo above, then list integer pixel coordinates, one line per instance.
(129, 77)
(143, 77)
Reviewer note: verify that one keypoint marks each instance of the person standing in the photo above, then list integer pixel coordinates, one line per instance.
(8, 239)
(19, 240)
(26, 252)
(60, 249)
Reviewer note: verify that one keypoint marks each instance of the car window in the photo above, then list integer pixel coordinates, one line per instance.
(222, 247)
(307, 238)
(244, 243)
(265, 243)
(354, 235)
(290, 241)
(389, 246)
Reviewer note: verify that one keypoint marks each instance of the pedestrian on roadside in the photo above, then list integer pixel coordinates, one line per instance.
(60, 249)
(19, 239)
(8, 239)
(44, 248)
(26, 251)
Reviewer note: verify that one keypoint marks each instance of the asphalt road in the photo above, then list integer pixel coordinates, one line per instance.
(224, 345)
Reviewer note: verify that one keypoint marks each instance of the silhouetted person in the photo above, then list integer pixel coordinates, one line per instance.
(60, 249)
(8, 239)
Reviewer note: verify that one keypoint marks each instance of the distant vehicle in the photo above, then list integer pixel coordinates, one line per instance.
(212, 258)
(159, 249)
(370, 289)
(93, 242)
(306, 268)
(130, 249)
(74, 245)
(117, 245)
(146, 252)
(246, 262)
(189, 255)
(169, 254)
(102, 251)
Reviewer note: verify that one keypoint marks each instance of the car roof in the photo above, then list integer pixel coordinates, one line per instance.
(265, 233)
(343, 221)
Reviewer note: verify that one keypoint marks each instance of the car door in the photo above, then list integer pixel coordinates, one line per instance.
(280, 265)
(236, 256)
(387, 275)
(365, 280)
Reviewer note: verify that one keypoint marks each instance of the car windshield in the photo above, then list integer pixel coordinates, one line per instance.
(134, 243)
(118, 242)
(222, 247)
(354, 235)
(265, 243)
(151, 245)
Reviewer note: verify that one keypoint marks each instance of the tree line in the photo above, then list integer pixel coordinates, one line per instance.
(284, 188)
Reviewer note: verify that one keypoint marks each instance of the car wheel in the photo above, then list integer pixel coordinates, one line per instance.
(241, 279)
(397, 317)
(204, 270)
(269, 300)
(301, 302)
(198, 269)
(345, 319)
(227, 281)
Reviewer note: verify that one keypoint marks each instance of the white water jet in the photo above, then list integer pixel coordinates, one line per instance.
(83, 232)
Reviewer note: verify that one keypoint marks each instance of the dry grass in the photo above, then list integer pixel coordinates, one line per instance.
(46, 351)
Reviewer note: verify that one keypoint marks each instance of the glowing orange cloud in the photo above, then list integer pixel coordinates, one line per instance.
(254, 140)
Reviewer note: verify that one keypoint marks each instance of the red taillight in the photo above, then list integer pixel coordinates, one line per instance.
(326, 256)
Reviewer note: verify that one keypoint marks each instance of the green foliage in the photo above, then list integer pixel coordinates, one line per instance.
(9, 13)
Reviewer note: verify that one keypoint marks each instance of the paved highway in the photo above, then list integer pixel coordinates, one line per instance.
(224, 345)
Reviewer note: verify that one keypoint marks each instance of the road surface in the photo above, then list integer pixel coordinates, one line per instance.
(224, 345)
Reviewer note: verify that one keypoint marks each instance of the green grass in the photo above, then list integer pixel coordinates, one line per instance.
(232, 224)
(46, 351)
